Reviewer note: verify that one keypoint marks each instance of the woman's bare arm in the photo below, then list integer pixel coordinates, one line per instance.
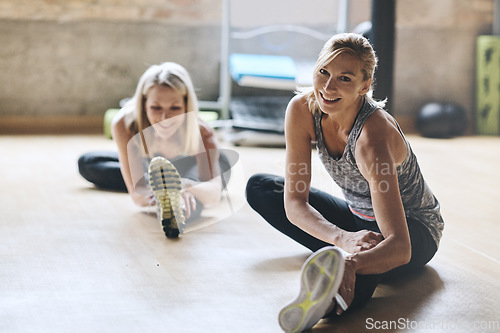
(122, 136)
(208, 189)
(299, 131)
(379, 150)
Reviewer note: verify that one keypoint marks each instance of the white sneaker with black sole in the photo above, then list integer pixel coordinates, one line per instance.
(165, 182)
(320, 279)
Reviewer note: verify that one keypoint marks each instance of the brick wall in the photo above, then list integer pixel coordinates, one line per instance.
(179, 12)
(74, 59)
(77, 58)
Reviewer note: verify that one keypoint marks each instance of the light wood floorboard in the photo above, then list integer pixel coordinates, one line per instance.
(77, 259)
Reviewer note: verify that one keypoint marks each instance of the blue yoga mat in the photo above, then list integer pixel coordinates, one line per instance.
(267, 66)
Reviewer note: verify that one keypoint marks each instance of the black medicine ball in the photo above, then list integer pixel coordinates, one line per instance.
(441, 120)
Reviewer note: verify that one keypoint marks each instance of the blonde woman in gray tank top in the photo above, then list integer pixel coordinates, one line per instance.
(388, 221)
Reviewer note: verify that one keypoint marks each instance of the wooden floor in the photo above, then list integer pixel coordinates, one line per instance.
(77, 259)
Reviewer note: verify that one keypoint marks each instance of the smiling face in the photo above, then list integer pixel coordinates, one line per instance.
(340, 85)
(164, 107)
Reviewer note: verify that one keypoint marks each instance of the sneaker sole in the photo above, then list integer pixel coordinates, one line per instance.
(165, 182)
(321, 276)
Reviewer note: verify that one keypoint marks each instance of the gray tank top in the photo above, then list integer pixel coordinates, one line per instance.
(418, 200)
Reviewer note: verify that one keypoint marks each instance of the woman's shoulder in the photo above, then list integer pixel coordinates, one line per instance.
(298, 103)
(379, 125)
(299, 117)
(119, 126)
(119, 118)
(207, 134)
(381, 130)
(298, 108)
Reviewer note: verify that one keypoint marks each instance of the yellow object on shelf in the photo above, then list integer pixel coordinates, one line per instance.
(488, 85)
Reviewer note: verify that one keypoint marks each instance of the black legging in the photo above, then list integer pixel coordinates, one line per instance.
(265, 195)
(102, 168)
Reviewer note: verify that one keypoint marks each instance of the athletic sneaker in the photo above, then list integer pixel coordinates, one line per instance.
(320, 279)
(165, 182)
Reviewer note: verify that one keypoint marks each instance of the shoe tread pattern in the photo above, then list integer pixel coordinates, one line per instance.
(320, 279)
(165, 182)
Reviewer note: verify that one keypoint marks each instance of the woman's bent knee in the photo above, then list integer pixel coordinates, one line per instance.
(262, 187)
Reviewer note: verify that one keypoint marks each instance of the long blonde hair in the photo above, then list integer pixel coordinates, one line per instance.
(176, 77)
(350, 43)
